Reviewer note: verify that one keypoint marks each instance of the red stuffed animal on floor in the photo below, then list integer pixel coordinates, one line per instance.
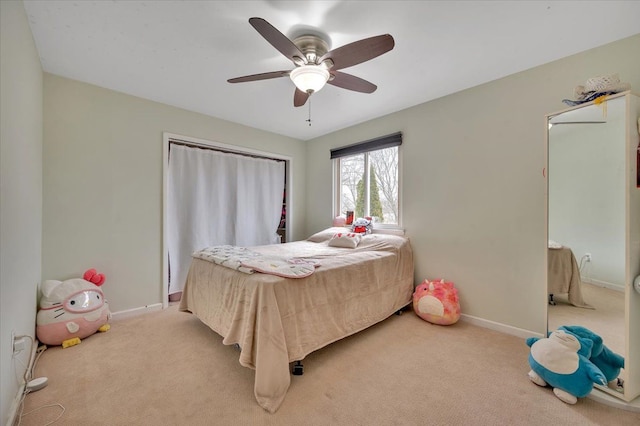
(437, 302)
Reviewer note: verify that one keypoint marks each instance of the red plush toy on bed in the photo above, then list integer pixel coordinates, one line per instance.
(437, 302)
(362, 225)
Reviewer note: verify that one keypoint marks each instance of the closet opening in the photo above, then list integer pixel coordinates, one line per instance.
(218, 194)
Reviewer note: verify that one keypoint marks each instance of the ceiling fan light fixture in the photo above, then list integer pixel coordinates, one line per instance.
(310, 78)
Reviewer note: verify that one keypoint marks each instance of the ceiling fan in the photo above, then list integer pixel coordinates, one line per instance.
(315, 64)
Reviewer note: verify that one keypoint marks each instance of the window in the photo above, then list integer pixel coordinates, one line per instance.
(367, 180)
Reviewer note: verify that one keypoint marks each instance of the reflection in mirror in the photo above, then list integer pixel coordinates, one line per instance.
(586, 202)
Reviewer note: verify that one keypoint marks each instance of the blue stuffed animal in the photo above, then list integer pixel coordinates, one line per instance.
(562, 361)
(604, 358)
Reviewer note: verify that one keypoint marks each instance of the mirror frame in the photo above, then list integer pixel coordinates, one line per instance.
(632, 241)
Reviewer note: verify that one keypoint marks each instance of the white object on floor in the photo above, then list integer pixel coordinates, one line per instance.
(37, 384)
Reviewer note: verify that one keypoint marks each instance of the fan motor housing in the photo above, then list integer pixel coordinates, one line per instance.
(312, 46)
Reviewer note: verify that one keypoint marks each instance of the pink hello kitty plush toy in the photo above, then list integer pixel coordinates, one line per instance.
(72, 310)
(437, 302)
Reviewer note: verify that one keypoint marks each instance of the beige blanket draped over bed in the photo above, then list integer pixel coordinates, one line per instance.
(564, 276)
(278, 320)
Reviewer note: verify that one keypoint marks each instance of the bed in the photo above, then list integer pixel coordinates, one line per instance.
(564, 275)
(277, 320)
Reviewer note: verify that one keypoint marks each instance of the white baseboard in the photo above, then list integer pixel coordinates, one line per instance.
(492, 325)
(604, 284)
(128, 313)
(15, 404)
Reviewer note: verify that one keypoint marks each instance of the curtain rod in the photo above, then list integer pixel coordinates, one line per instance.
(215, 148)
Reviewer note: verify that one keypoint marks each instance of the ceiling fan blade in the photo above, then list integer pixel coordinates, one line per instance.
(359, 51)
(262, 76)
(278, 40)
(299, 98)
(351, 82)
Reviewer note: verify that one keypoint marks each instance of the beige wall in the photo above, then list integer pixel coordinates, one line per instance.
(103, 183)
(20, 194)
(474, 194)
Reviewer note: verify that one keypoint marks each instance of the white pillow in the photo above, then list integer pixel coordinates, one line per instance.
(326, 234)
(345, 239)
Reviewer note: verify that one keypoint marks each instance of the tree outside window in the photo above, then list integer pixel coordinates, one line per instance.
(369, 185)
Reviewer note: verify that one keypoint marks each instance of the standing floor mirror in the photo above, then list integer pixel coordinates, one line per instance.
(593, 227)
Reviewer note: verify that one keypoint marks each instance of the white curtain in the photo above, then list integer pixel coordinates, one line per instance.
(217, 198)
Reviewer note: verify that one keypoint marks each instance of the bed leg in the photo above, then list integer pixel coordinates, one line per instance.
(406, 307)
(551, 301)
(298, 369)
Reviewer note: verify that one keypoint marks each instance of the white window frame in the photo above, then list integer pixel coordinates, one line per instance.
(337, 189)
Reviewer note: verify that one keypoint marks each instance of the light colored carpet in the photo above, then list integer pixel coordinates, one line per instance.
(607, 319)
(167, 368)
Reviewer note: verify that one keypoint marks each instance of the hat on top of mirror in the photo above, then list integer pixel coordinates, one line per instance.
(597, 86)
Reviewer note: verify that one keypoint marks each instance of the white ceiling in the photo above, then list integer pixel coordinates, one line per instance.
(181, 53)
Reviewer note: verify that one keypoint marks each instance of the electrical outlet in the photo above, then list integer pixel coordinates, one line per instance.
(19, 344)
(588, 257)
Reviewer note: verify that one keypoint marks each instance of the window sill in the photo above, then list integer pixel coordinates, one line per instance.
(388, 231)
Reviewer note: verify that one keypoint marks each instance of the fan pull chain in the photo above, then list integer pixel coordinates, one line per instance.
(308, 120)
